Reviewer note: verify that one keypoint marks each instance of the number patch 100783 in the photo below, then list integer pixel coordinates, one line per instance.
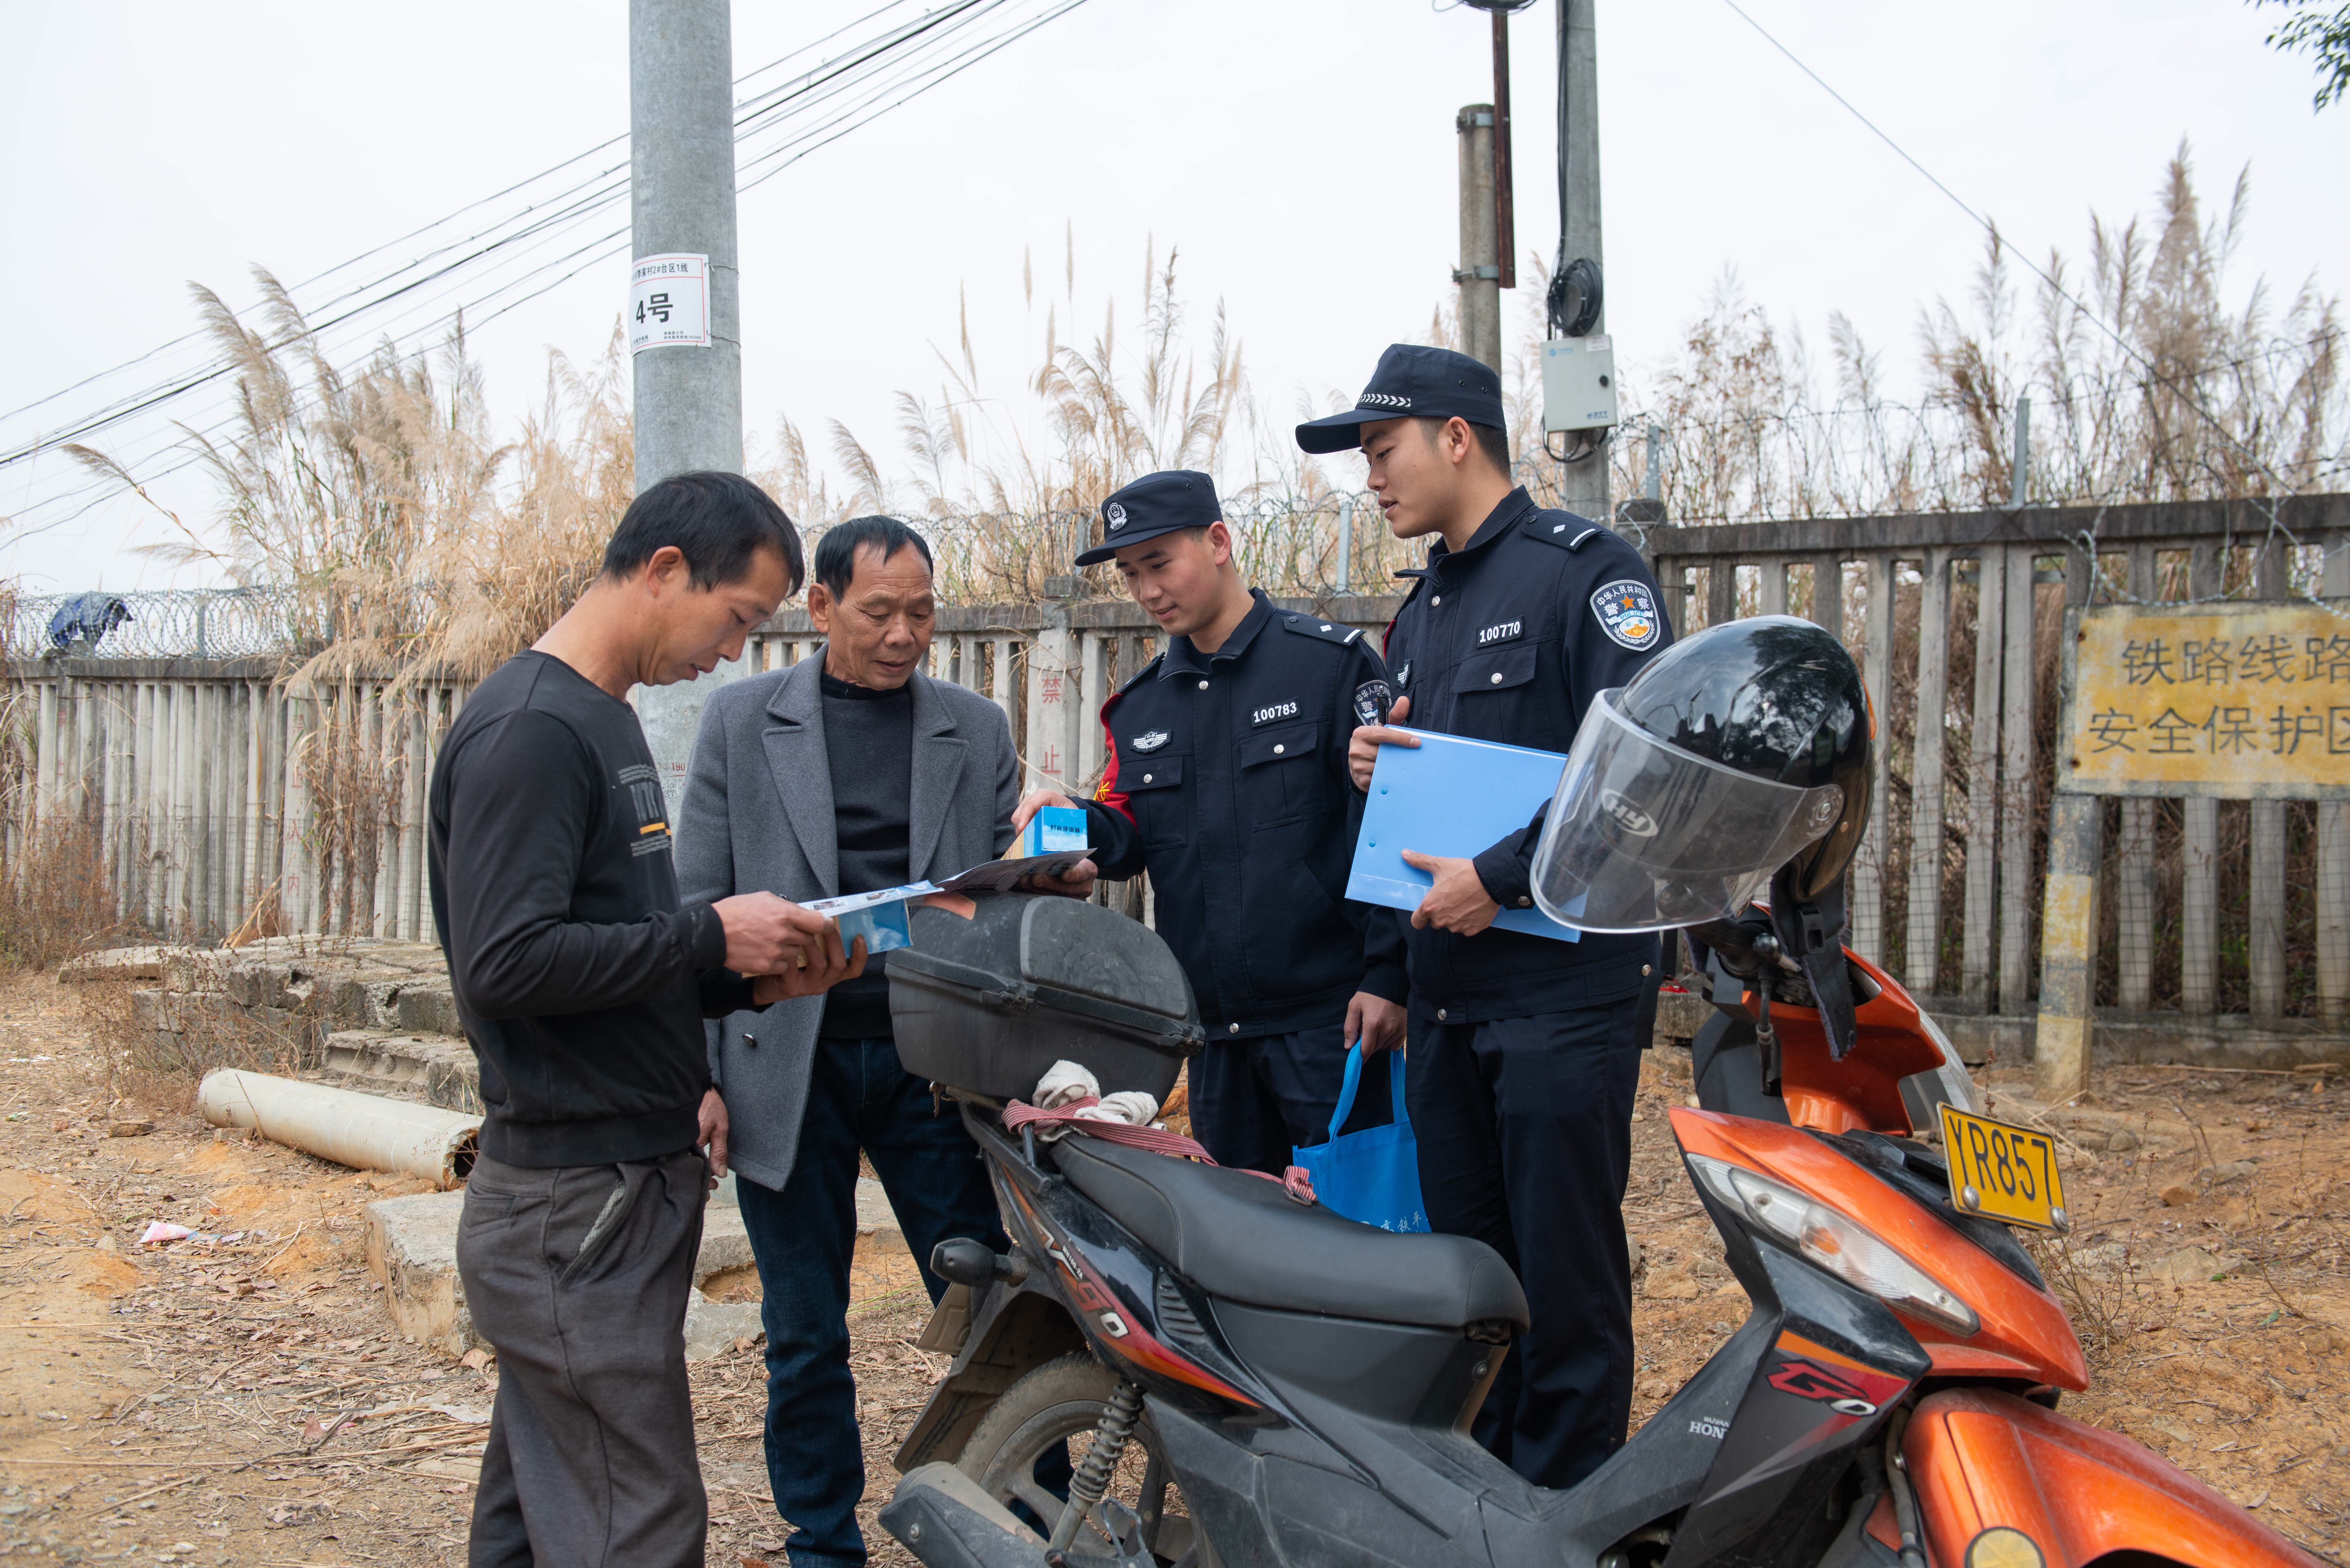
(2003, 1172)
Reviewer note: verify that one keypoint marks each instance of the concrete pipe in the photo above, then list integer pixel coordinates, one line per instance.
(364, 1131)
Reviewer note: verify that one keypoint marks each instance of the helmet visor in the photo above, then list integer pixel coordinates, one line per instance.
(1645, 836)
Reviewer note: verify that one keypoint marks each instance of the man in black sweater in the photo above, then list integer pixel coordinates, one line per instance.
(583, 984)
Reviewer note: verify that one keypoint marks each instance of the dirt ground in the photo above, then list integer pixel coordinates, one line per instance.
(240, 1397)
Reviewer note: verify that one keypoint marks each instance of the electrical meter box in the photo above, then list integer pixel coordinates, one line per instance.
(1578, 383)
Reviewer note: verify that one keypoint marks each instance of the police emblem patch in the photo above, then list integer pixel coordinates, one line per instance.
(1150, 740)
(1627, 614)
(1372, 701)
(1115, 514)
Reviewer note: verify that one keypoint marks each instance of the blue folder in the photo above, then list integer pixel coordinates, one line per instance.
(1450, 795)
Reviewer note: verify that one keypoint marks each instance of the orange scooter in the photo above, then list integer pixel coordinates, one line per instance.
(1980, 1469)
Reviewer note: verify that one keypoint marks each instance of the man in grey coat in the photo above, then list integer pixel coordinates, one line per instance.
(847, 774)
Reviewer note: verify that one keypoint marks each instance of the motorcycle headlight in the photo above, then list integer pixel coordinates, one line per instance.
(1834, 1242)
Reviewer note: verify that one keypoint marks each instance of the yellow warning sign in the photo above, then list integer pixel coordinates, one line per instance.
(2240, 701)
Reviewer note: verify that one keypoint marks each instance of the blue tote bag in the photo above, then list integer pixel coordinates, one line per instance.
(1372, 1176)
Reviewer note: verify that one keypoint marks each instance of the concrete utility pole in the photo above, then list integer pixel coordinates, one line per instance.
(1584, 484)
(688, 394)
(1480, 271)
(681, 197)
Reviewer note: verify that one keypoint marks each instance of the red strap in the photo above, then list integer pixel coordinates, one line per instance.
(1156, 1140)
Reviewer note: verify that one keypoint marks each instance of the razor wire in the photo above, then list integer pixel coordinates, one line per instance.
(165, 623)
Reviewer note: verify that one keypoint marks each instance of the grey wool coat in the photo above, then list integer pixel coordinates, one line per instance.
(758, 816)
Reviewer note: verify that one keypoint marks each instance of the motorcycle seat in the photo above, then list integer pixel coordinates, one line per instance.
(1243, 1238)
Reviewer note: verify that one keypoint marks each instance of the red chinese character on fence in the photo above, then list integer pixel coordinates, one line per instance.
(1051, 686)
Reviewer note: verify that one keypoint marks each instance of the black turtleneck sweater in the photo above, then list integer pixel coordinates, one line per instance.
(868, 741)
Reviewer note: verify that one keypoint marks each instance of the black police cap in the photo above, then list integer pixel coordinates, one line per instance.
(1154, 504)
(1413, 382)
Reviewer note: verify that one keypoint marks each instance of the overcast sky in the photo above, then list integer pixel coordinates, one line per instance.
(1300, 153)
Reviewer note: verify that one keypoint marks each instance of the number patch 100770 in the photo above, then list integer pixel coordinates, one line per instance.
(2003, 1172)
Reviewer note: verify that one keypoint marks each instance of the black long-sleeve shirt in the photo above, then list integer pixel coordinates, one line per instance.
(581, 982)
(869, 745)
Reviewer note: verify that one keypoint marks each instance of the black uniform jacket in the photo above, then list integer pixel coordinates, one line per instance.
(1227, 780)
(1509, 640)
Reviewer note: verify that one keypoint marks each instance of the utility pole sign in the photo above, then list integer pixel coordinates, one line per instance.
(669, 302)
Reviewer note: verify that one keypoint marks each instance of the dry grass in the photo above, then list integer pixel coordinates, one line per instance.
(57, 894)
(417, 542)
(2200, 398)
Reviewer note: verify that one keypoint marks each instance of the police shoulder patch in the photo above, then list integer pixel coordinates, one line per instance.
(1327, 631)
(1627, 610)
(1564, 529)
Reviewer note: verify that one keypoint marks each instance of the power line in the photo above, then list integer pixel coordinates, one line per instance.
(863, 76)
(613, 185)
(451, 217)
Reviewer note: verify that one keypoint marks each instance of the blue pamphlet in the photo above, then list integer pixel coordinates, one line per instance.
(880, 917)
(1052, 829)
(1450, 795)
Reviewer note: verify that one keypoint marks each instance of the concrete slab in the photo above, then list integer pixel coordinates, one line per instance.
(411, 1249)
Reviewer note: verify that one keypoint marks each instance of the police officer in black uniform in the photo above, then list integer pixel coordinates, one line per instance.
(1523, 1053)
(1227, 779)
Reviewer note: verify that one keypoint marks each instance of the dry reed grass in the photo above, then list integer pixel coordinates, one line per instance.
(2152, 387)
(57, 892)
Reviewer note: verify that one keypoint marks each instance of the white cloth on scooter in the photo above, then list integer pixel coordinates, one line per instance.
(1065, 1082)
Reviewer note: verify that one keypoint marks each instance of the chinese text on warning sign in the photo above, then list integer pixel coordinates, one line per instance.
(2239, 701)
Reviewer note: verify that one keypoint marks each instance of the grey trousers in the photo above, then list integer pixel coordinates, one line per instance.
(578, 1276)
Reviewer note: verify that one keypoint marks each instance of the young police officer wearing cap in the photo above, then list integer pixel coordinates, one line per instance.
(1227, 780)
(1523, 1053)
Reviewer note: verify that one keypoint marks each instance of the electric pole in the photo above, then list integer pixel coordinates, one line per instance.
(685, 301)
(1582, 482)
(1479, 274)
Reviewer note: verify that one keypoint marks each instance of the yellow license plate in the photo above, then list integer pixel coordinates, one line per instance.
(2003, 1172)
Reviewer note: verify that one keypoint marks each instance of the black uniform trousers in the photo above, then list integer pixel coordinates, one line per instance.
(1524, 1127)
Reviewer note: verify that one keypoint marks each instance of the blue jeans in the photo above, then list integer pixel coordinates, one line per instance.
(858, 1097)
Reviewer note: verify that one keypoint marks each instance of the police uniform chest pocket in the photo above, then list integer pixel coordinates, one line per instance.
(1496, 669)
(1283, 782)
(1154, 795)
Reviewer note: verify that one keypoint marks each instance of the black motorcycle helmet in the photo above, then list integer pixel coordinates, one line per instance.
(1735, 752)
